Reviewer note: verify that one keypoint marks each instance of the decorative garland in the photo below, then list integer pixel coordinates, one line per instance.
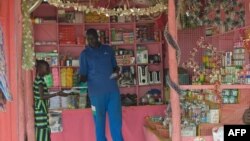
(126, 11)
(27, 36)
(192, 64)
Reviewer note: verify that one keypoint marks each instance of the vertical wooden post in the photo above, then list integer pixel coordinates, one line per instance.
(173, 65)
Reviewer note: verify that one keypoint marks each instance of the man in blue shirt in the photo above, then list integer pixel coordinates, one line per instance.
(97, 66)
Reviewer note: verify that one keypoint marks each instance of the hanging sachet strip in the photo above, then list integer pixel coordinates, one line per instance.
(3, 80)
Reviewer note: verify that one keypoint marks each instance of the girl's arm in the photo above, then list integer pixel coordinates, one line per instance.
(47, 96)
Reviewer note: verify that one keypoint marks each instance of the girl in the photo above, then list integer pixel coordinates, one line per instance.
(41, 97)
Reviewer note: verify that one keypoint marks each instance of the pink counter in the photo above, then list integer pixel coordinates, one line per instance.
(151, 136)
(78, 125)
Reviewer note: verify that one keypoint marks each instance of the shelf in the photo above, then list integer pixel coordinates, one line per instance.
(145, 22)
(148, 64)
(46, 45)
(123, 44)
(126, 65)
(156, 84)
(129, 23)
(228, 32)
(71, 45)
(149, 42)
(131, 86)
(96, 24)
(69, 67)
(223, 86)
(243, 86)
(196, 87)
(46, 23)
(73, 24)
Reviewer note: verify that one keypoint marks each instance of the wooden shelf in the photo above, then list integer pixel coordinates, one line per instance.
(131, 86)
(69, 67)
(149, 42)
(73, 24)
(71, 45)
(148, 64)
(123, 44)
(127, 65)
(243, 86)
(96, 24)
(145, 22)
(46, 23)
(156, 84)
(223, 86)
(228, 32)
(196, 87)
(129, 23)
(46, 45)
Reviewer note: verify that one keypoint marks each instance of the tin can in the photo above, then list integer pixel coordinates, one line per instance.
(225, 99)
(232, 99)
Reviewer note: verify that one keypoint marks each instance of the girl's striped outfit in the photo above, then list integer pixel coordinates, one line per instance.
(41, 111)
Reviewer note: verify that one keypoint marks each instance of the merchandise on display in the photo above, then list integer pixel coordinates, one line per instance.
(127, 76)
(142, 55)
(50, 57)
(230, 96)
(121, 19)
(129, 99)
(147, 33)
(151, 97)
(121, 36)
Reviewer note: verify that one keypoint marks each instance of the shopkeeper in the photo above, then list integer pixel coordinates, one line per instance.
(98, 67)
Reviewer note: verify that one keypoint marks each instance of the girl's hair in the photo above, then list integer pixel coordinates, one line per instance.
(40, 63)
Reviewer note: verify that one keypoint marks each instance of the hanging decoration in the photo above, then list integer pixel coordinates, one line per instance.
(4, 89)
(28, 6)
(200, 73)
(225, 14)
(126, 11)
(168, 37)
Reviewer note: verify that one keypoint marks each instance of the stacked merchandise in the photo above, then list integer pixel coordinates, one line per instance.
(160, 125)
(146, 33)
(127, 78)
(94, 17)
(50, 57)
(121, 36)
(67, 77)
(151, 97)
(129, 99)
(67, 34)
(121, 19)
(55, 75)
(198, 107)
(230, 96)
(103, 36)
(124, 56)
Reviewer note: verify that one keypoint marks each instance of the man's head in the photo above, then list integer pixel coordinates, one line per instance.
(92, 37)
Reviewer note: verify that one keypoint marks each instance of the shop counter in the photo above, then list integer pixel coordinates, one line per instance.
(151, 135)
(78, 125)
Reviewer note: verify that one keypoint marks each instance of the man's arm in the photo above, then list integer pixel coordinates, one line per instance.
(83, 67)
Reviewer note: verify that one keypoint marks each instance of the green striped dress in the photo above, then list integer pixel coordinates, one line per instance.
(41, 111)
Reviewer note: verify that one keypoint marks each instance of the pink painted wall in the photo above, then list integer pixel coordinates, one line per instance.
(11, 122)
